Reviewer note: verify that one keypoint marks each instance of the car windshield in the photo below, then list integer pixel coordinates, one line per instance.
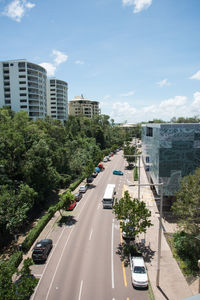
(38, 251)
(139, 270)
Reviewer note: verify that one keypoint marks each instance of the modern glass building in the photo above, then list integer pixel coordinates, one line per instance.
(170, 152)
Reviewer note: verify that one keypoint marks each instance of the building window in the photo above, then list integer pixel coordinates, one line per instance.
(23, 106)
(22, 76)
(22, 88)
(149, 131)
(5, 65)
(21, 65)
(6, 77)
(7, 101)
(12, 65)
(23, 94)
(22, 82)
(22, 100)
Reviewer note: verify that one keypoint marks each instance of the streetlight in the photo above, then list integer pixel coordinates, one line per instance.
(160, 227)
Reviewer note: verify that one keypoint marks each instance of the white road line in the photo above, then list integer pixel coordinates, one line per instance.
(112, 262)
(90, 235)
(80, 291)
(47, 263)
(58, 263)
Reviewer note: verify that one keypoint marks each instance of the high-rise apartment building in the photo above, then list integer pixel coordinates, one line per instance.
(82, 106)
(57, 99)
(23, 87)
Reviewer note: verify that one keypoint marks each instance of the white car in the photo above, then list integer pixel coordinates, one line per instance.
(130, 230)
(83, 189)
(138, 272)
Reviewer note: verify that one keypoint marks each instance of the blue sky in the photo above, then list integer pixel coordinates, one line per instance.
(139, 58)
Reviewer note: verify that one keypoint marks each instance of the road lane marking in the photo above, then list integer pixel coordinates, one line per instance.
(58, 264)
(51, 254)
(112, 263)
(80, 291)
(90, 235)
(123, 268)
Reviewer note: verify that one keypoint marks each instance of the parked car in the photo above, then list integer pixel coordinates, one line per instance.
(83, 189)
(97, 169)
(41, 250)
(90, 179)
(138, 272)
(118, 172)
(105, 159)
(78, 196)
(72, 205)
(94, 174)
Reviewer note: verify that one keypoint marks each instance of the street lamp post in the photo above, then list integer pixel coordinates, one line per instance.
(160, 227)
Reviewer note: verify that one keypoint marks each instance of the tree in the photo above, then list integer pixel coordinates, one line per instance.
(135, 211)
(187, 204)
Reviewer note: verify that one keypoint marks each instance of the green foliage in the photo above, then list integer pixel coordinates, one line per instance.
(136, 174)
(187, 204)
(65, 200)
(194, 119)
(135, 211)
(16, 259)
(7, 290)
(22, 288)
(38, 157)
(15, 205)
(188, 249)
(34, 233)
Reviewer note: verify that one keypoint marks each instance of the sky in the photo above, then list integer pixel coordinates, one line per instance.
(139, 58)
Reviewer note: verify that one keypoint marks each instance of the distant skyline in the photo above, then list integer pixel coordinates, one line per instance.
(139, 58)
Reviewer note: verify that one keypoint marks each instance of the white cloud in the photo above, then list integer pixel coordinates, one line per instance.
(131, 93)
(196, 103)
(139, 5)
(60, 57)
(196, 75)
(49, 67)
(164, 82)
(17, 9)
(178, 106)
(79, 62)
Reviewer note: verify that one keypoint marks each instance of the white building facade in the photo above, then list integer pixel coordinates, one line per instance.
(23, 87)
(57, 99)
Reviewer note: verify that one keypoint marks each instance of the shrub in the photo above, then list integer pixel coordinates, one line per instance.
(15, 259)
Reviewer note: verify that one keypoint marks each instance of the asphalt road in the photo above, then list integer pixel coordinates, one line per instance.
(85, 262)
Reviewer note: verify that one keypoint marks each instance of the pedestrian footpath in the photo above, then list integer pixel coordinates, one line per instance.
(172, 283)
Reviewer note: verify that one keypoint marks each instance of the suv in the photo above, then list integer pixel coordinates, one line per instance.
(41, 250)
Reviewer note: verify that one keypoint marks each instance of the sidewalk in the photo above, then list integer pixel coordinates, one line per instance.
(172, 283)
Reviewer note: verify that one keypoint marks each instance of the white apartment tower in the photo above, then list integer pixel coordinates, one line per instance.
(23, 87)
(57, 99)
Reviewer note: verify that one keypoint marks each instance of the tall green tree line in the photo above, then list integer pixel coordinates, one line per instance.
(39, 156)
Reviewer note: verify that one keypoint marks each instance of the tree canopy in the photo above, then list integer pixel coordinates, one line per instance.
(187, 204)
(135, 212)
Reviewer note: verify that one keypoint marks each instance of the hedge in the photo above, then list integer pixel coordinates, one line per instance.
(34, 233)
(15, 259)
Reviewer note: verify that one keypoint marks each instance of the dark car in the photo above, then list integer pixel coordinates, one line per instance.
(94, 175)
(41, 250)
(90, 179)
(78, 196)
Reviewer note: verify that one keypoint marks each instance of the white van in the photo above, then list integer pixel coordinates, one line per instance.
(108, 197)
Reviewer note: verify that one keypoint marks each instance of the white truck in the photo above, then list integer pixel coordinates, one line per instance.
(108, 198)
